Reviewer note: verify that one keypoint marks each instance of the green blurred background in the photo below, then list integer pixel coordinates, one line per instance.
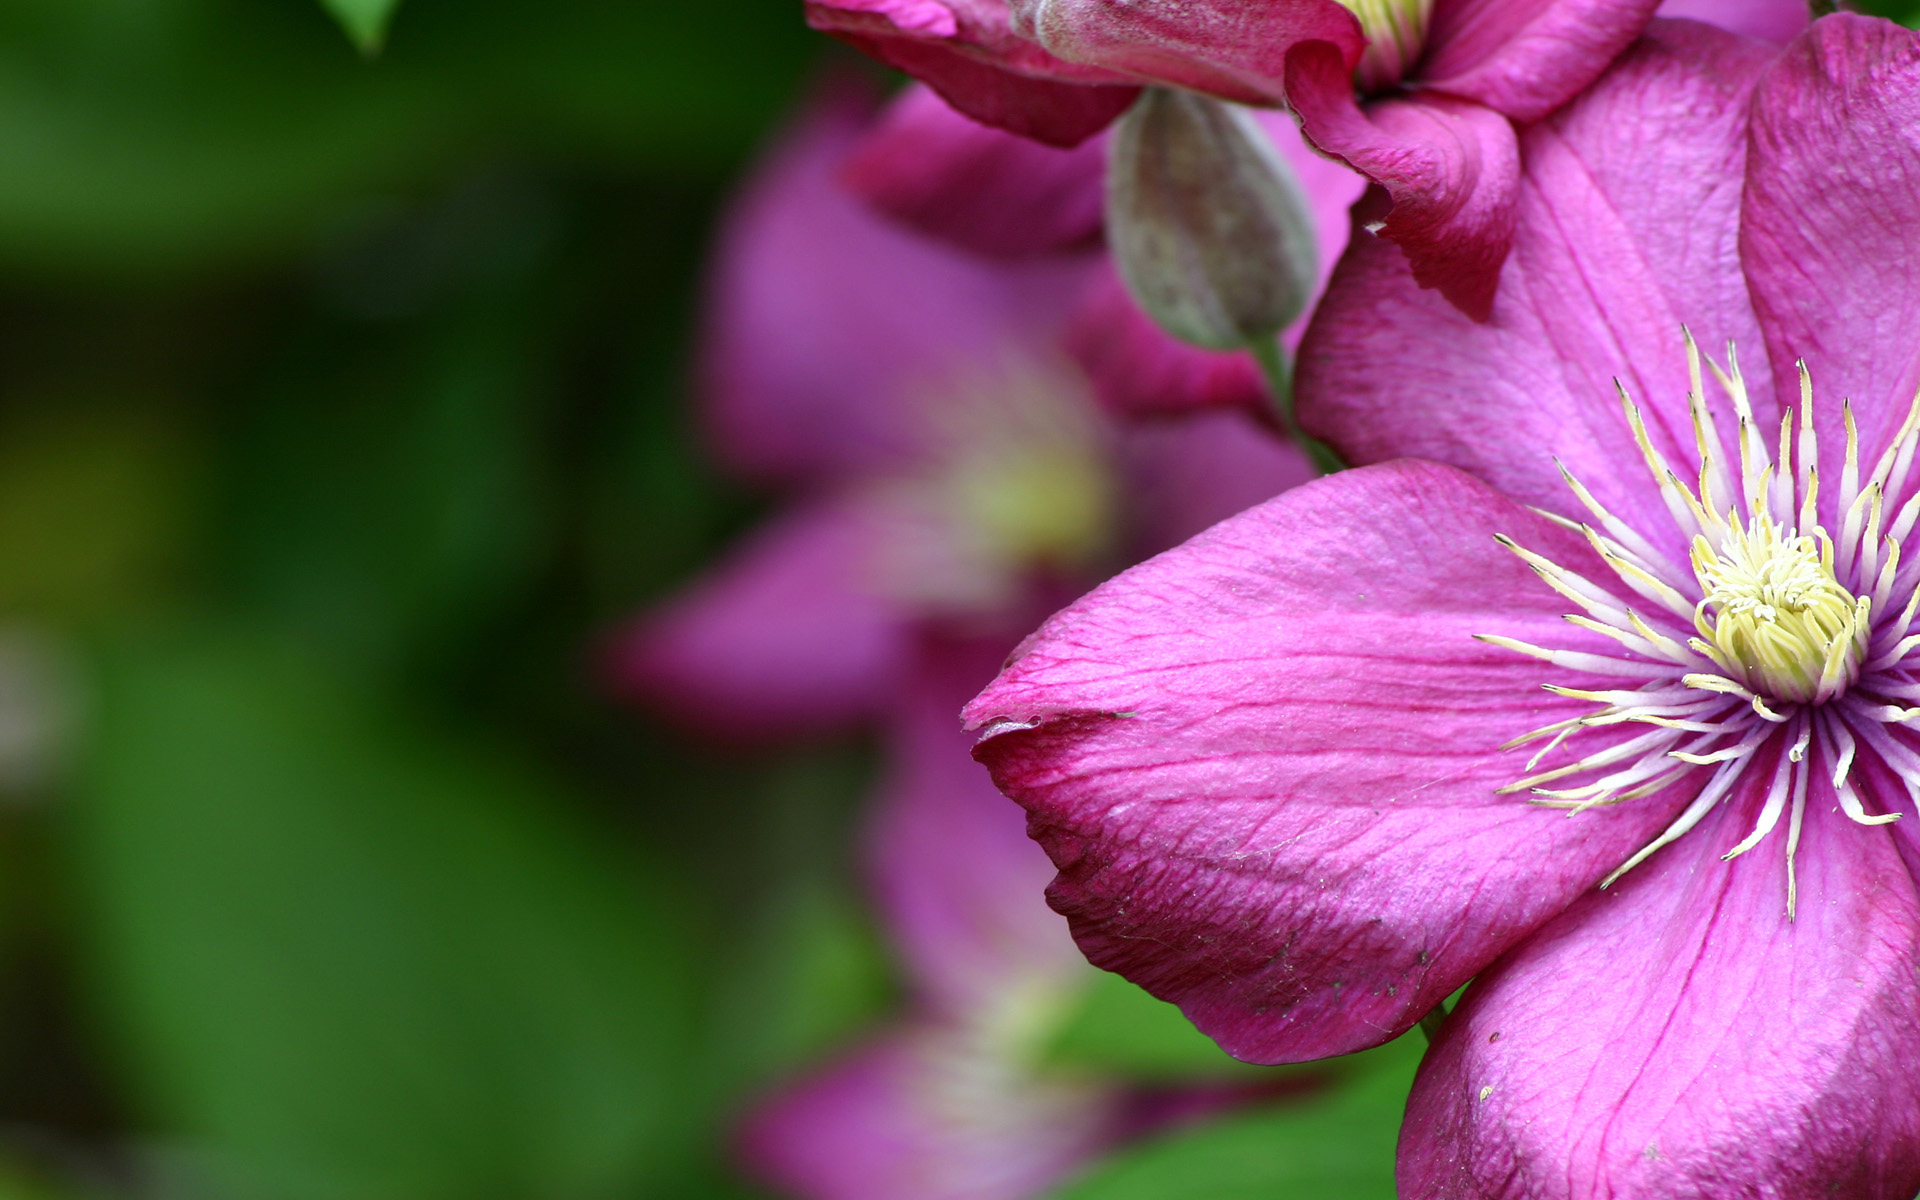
(341, 410)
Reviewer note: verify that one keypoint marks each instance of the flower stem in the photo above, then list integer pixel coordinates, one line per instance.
(1279, 376)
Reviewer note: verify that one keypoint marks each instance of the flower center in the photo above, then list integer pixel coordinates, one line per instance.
(1396, 33)
(1781, 622)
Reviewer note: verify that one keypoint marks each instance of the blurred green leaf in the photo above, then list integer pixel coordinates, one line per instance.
(1333, 1145)
(1121, 1030)
(364, 20)
(359, 960)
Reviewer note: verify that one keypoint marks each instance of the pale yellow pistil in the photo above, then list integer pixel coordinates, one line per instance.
(1773, 614)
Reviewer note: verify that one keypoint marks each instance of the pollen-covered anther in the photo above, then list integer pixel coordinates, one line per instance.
(1774, 615)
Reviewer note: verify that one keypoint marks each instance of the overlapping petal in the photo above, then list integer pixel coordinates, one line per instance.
(1775, 21)
(1265, 762)
(1676, 1037)
(1832, 201)
(1525, 58)
(785, 636)
(980, 188)
(1606, 270)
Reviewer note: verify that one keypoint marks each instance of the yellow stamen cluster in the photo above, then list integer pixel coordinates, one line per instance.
(1781, 622)
(1396, 33)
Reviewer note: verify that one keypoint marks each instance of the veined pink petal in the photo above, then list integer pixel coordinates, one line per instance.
(960, 883)
(1229, 48)
(1525, 58)
(832, 331)
(1676, 1038)
(1604, 273)
(785, 636)
(1833, 194)
(1775, 21)
(1265, 762)
(1187, 474)
(921, 1114)
(983, 189)
(1450, 166)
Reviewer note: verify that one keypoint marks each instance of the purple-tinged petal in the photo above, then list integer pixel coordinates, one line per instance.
(1190, 473)
(1605, 271)
(1265, 762)
(1833, 194)
(1775, 21)
(1450, 166)
(982, 29)
(1137, 369)
(929, 1114)
(831, 332)
(960, 884)
(785, 637)
(1676, 1038)
(1525, 58)
(982, 189)
(1228, 48)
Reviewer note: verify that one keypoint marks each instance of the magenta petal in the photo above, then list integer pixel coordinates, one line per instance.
(922, 1115)
(1265, 762)
(980, 188)
(1775, 21)
(1450, 166)
(1525, 58)
(1604, 273)
(784, 637)
(834, 336)
(1234, 49)
(1832, 201)
(1137, 369)
(1676, 1037)
(959, 881)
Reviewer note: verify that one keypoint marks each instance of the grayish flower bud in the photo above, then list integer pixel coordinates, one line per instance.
(1206, 221)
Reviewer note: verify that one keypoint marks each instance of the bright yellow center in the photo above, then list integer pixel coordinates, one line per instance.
(1779, 618)
(1396, 32)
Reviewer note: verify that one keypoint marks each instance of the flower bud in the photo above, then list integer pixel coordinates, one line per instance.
(1206, 223)
(1396, 33)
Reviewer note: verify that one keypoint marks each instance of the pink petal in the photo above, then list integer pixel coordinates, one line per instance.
(1775, 21)
(1265, 762)
(1234, 49)
(783, 637)
(960, 883)
(1450, 167)
(1833, 193)
(1139, 370)
(1525, 58)
(1676, 1037)
(1187, 474)
(900, 1120)
(982, 189)
(1604, 272)
(833, 335)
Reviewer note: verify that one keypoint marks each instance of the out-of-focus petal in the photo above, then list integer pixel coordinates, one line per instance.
(926, 1113)
(1139, 370)
(1234, 49)
(1832, 201)
(831, 331)
(1775, 21)
(1677, 1036)
(1265, 762)
(1450, 166)
(1525, 58)
(1190, 473)
(1605, 271)
(786, 636)
(961, 884)
(983, 189)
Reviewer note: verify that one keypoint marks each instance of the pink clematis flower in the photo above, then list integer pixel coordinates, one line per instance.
(1421, 96)
(1314, 770)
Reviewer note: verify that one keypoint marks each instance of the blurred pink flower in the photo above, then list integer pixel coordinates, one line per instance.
(947, 465)
(1276, 767)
